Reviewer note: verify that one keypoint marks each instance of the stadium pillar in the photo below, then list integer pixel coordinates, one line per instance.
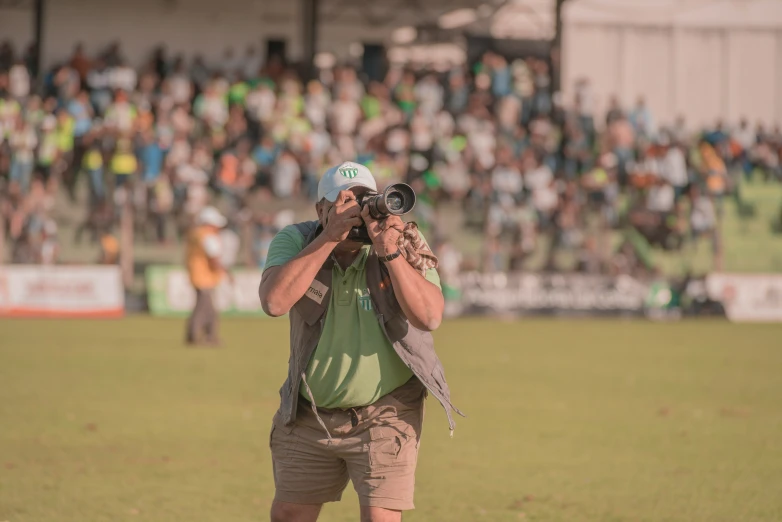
(556, 47)
(2, 239)
(309, 31)
(126, 260)
(39, 6)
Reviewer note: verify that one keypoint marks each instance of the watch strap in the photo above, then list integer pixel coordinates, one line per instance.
(390, 257)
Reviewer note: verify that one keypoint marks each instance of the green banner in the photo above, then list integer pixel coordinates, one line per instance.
(169, 293)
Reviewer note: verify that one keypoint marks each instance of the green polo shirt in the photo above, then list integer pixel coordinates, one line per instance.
(353, 364)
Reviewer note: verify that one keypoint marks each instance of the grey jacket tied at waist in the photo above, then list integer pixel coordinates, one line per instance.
(415, 347)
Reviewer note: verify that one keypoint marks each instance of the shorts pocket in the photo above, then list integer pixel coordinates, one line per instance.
(282, 440)
(388, 445)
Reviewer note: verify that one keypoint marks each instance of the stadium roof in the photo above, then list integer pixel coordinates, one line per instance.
(330, 25)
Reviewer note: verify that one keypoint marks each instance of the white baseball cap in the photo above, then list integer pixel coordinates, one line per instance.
(342, 177)
(211, 216)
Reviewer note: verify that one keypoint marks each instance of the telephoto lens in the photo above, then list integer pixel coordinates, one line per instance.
(396, 200)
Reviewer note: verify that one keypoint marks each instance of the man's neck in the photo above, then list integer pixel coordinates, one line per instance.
(345, 258)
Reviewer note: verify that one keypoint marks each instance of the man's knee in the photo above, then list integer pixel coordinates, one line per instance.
(287, 512)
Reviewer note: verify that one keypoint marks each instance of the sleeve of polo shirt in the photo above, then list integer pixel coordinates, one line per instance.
(431, 275)
(211, 245)
(285, 246)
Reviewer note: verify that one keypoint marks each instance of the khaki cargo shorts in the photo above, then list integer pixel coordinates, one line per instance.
(375, 447)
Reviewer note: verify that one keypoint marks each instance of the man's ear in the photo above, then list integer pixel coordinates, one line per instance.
(320, 208)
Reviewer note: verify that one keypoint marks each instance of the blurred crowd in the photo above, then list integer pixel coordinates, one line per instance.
(489, 148)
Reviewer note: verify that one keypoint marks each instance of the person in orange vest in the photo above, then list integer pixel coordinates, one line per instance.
(204, 250)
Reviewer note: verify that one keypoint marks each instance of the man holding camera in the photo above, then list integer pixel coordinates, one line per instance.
(362, 357)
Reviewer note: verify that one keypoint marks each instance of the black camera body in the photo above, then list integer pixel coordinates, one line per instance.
(395, 200)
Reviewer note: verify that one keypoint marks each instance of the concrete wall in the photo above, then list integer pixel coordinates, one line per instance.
(701, 73)
(16, 25)
(186, 26)
(200, 26)
(722, 63)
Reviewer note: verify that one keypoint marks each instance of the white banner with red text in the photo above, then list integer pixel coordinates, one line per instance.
(748, 297)
(61, 291)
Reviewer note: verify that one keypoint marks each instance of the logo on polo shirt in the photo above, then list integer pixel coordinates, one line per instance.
(349, 172)
(317, 291)
(364, 300)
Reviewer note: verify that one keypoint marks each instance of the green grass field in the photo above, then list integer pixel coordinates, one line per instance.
(567, 421)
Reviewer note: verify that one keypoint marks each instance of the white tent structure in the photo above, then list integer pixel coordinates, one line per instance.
(704, 59)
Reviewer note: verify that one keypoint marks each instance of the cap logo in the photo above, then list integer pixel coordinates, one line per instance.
(349, 172)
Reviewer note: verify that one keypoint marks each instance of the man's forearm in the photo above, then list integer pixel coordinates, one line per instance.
(421, 301)
(282, 286)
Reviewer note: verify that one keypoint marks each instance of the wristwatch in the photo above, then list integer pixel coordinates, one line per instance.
(390, 257)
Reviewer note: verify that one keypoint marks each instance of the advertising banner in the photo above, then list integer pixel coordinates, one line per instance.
(748, 297)
(549, 294)
(744, 297)
(171, 294)
(61, 291)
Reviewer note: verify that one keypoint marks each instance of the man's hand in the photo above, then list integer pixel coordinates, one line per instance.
(344, 215)
(421, 301)
(384, 233)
